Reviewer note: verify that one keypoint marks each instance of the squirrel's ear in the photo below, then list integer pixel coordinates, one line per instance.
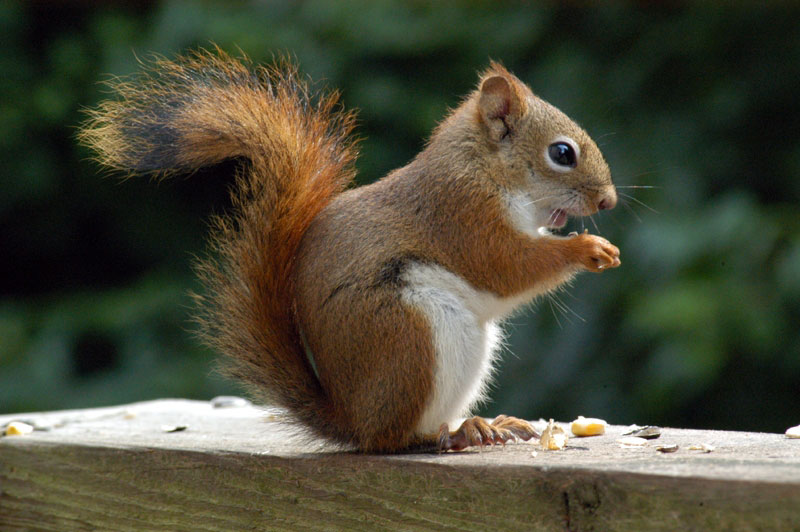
(499, 106)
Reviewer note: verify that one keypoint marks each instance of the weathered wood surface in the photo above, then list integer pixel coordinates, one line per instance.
(240, 468)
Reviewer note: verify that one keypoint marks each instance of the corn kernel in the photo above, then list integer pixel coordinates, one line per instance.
(588, 426)
(18, 428)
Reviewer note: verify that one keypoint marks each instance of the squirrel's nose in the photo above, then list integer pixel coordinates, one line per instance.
(608, 200)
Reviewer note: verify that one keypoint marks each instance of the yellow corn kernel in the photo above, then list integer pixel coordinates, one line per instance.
(18, 428)
(588, 426)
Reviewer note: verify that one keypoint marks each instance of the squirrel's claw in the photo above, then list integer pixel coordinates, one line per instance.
(477, 432)
(595, 252)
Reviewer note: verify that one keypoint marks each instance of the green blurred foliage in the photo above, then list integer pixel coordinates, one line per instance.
(699, 327)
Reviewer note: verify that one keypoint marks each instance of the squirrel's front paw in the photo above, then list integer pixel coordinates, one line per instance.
(596, 253)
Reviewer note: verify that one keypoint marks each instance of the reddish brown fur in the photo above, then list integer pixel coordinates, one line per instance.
(301, 260)
(444, 208)
(299, 157)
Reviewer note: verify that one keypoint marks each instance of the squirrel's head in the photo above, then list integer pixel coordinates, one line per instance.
(545, 157)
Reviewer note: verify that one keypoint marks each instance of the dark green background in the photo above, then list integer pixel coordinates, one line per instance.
(699, 327)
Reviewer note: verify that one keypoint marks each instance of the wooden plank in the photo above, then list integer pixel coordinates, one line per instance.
(244, 468)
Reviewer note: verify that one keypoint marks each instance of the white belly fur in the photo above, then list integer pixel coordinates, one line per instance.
(466, 338)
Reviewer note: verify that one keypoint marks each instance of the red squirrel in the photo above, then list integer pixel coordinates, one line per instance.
(371, 314)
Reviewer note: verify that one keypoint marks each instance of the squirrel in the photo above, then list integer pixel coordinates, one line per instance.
(371, 313)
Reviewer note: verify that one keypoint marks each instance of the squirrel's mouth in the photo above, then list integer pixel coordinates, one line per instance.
(558, 219)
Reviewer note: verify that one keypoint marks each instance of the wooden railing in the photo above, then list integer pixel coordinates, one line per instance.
(184, 465)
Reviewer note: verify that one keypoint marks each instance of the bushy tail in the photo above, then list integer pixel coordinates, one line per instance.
(177, 116)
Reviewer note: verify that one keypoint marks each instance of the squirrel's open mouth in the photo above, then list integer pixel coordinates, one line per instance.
(558, 219)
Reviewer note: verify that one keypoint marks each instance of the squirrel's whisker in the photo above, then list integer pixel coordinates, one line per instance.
(631, 210)
(646, 206)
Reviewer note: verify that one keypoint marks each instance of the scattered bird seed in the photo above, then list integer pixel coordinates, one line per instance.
(632, 441)
(793, 432)
(668, 448)
(229, 401)
(588, 426)
(704, 447)
(18, 428)
(648, 433)
(553, 437)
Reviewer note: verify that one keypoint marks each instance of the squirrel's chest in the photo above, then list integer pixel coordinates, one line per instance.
(465, 337)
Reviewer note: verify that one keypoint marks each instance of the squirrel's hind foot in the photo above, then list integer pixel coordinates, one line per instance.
(476, 431)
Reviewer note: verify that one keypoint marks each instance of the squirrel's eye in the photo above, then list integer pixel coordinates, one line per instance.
(562, 154)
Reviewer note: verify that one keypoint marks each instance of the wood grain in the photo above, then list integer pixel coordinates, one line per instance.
(242, 469)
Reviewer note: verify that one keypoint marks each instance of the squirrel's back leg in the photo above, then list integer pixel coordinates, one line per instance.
(399, 360)
(375, 360)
